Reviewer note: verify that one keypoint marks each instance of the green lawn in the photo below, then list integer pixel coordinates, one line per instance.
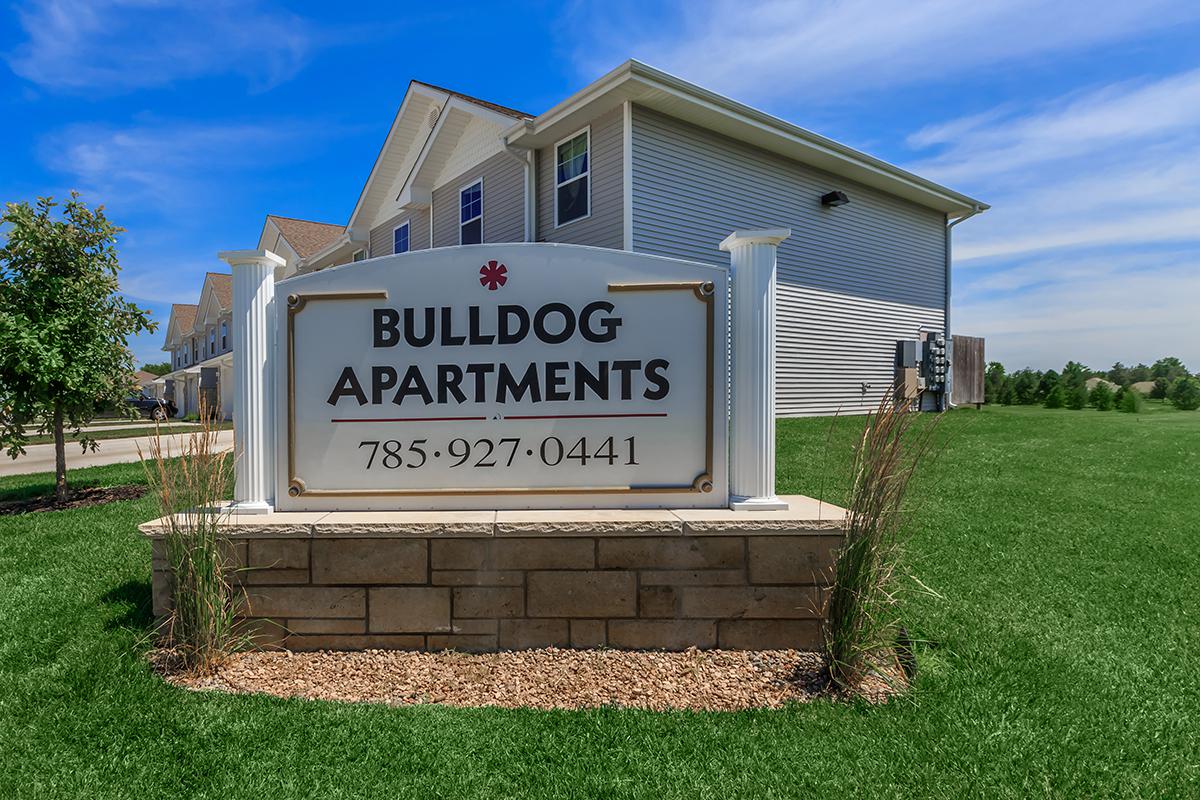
(1065, 657)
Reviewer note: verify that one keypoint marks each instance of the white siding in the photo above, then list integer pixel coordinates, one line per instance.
(852, 280)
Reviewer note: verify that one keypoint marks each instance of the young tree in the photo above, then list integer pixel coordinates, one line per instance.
(1101, 397)
(1129, 400)
(1161, 387)
(1170, 368)
(63, 325)
(158, 368)
(993, 381)
(1185, 393)
(1055, 398)
(1074, 374)
(1077, 398)
(1025, 386)
(1118, 373)
(1047, 383)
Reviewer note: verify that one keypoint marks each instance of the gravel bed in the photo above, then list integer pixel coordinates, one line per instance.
(698, 680)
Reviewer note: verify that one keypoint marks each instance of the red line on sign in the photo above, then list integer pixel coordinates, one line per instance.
(481, 419)
(411, 419)
(585, 416)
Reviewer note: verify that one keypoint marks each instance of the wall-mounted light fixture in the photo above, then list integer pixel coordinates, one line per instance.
(834, 199)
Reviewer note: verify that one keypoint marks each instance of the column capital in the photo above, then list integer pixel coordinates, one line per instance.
(239, 258)
(745, 237)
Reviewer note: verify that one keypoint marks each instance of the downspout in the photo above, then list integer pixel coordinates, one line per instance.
(525, 155)
(944, 401)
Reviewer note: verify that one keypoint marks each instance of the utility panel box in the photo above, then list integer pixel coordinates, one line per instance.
(906, 353)
(935, 362)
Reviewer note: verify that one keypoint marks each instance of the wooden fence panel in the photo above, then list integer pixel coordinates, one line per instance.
(967, 367)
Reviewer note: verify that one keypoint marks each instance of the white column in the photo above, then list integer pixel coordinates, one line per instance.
(752, 429)
(253, 378)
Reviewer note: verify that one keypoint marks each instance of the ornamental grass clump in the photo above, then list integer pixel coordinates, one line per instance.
(199, 631)
(863, 626)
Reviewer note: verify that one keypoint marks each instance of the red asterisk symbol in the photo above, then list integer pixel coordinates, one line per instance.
(493, 275)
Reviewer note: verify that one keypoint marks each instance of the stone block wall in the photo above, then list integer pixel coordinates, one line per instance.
(633, 580)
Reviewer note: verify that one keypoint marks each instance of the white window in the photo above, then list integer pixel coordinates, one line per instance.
(224, 336)
(212, 341)
(572, 178)
(400, 241)
(359, 255)
(470, 213)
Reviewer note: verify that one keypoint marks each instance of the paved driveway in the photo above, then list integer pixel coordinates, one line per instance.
(40, 457)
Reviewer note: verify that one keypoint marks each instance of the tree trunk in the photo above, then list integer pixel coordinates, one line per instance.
(60, 455)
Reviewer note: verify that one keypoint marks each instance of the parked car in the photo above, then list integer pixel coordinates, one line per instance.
(152, 407)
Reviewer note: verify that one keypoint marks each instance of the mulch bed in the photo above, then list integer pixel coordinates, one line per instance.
(551, 678)
(79, 498)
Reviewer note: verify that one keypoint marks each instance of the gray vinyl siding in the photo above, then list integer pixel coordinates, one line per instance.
(503, 202)
(852, 280)
(382, 241)
(604, 227)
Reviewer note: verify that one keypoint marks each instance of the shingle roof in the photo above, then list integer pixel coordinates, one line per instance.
(186, 314)
(222, 283)
(141, 377)
(511, 112)
(306, 237)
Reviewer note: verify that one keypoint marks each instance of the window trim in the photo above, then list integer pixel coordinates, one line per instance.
(461, 223)
(354, 259)
(587, 129)
(404, 224)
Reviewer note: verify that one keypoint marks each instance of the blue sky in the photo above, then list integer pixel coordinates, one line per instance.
(1078, 121)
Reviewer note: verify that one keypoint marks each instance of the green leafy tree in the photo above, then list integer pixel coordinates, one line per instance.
(1055, 398)
(1185, 393)
(64, 327)
(1161, 387)
(1025, 386)
(1170, 368)
(1118, 373)
(1047, 383)
(1007, 395)
(1101, 397)
(1074, 374)
(159, 368)
(1129, 400)
(993, 381)
(1139, 373)
(1077, 398)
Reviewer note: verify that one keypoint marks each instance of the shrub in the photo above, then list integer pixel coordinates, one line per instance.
(1185, 393)
(1056, 397)
(1160, 390)
(200, 628)
(1077, 398)
(1129, 400)
(863, 626)
(1101, 397)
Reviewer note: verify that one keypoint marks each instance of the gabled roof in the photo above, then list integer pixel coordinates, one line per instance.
(420, 119)
(512, 112)
(184, 315)
(222, 284)
(306, 237)
(651, 88)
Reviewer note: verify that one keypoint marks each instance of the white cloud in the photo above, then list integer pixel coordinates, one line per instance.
(111, 46)
(167, 166)
(766, 49)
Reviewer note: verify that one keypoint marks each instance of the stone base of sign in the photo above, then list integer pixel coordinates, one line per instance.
(511, 580)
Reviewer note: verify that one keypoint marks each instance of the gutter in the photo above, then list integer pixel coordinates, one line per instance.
(525, 155)
(944, 403)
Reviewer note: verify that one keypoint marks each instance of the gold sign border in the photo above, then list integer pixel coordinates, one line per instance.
(297, 487)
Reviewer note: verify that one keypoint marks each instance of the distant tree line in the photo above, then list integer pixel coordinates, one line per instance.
(1118, 387)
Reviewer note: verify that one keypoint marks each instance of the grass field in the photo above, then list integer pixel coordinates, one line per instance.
(1064, 657)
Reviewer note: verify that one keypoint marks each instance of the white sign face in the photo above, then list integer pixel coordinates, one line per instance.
(503, 376)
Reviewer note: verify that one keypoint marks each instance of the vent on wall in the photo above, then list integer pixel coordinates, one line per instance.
(434, 113)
